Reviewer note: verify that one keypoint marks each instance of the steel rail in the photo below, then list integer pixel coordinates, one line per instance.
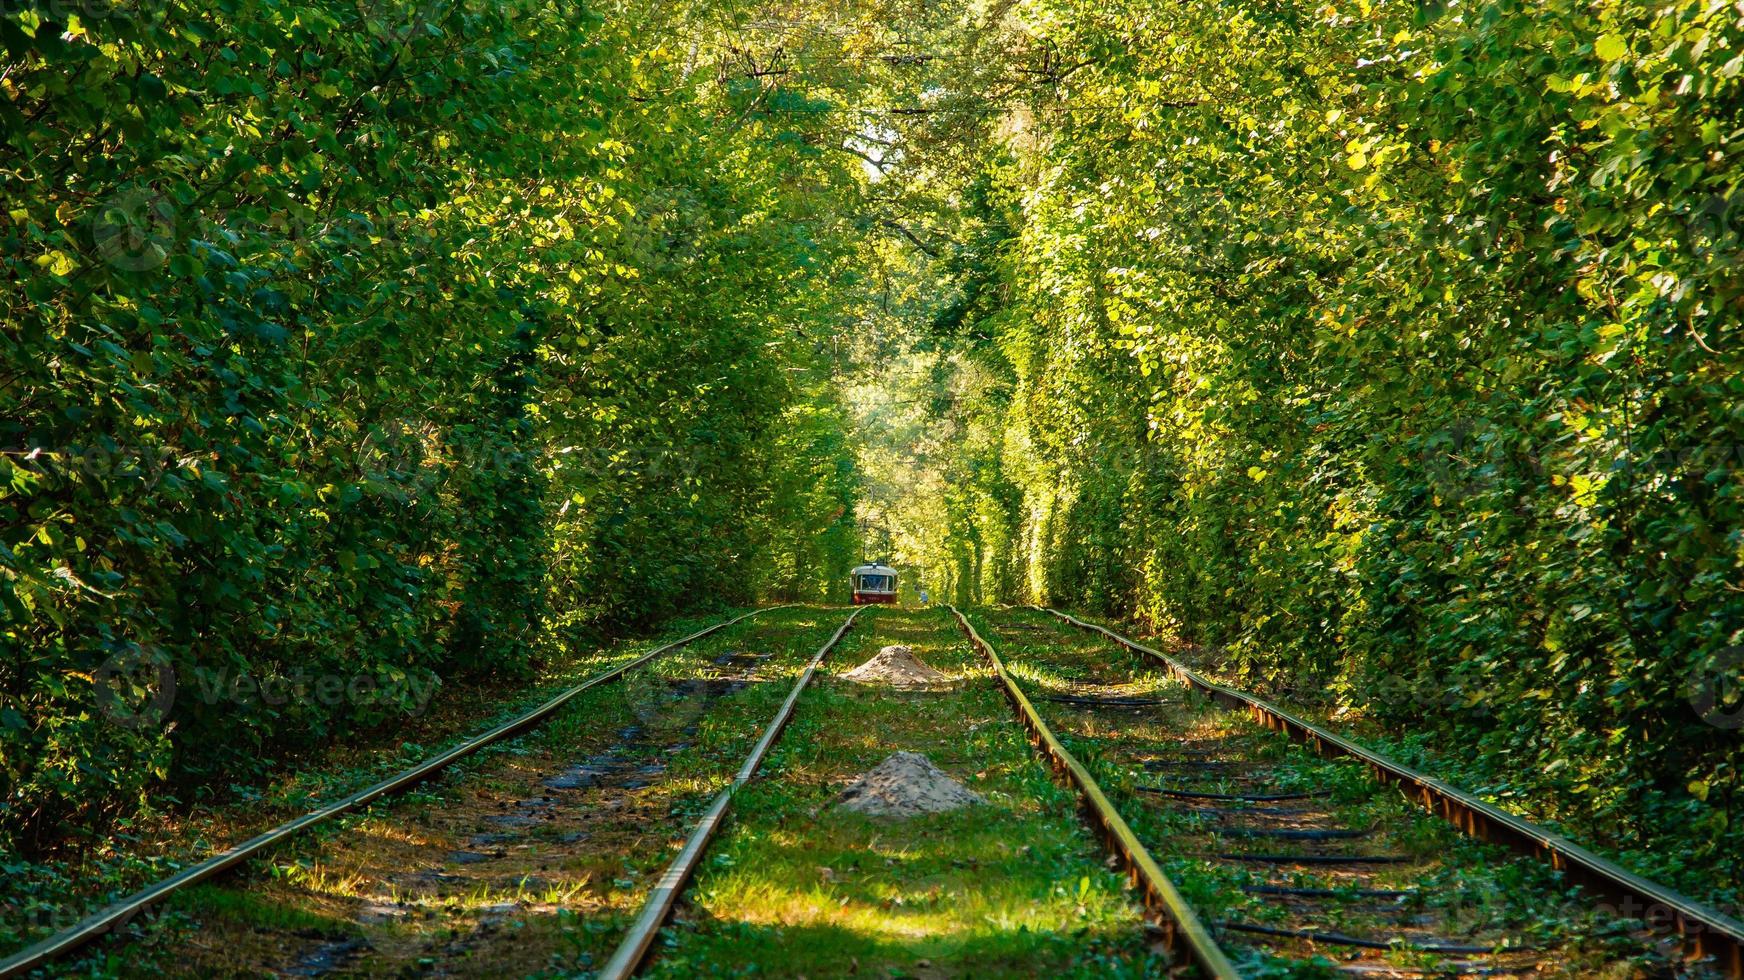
(123, 911)
(1183, 932)
(635, 945)
(1710, 931)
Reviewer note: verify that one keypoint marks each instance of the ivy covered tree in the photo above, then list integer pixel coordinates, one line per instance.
(1386, 350)
(402, 341)
(1391, 350)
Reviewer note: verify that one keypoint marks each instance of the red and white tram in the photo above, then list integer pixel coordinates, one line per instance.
(873, 583)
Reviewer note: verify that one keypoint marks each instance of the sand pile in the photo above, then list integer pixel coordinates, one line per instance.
(906, 785)
(897, 666)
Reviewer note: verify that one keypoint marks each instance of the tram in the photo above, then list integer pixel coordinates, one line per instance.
(873, 583)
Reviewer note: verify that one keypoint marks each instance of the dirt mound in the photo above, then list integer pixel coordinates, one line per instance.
(906, 785)
(897, 666)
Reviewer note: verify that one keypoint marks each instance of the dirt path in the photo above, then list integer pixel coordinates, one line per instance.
(802, 886)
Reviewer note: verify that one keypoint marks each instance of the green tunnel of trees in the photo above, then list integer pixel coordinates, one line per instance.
(1389, 350)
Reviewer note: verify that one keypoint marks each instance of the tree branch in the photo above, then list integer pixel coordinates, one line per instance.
(878, 162)
(903, 230)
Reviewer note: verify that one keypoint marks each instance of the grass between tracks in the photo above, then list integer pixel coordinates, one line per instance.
(799, 887)
(1466, 891)
(385, 891)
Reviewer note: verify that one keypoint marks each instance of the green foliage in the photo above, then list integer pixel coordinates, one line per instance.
(395, 342)
(1393, 349)
(1389, 347)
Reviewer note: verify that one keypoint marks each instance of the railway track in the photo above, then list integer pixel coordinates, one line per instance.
(1262, 845)
(1299, 862)
(625, 766)
(539, 861)
(1005, 885)
(634, 947)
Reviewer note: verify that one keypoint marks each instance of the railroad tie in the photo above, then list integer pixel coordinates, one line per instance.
(1316, 858)
(1295, 892)
(1155, 765)
(1290, 833)
(1227, 812)
(1182, 794)
(1340, 939)
(1082, 701)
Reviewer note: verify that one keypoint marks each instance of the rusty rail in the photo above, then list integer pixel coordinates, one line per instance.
(636, 943)
(1707, 930)
(1183, 932)
(120, 913)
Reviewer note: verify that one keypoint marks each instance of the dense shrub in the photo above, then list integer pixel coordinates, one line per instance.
(390, 342)
(1395, 349)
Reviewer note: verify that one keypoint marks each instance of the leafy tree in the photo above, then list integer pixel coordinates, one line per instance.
(389, 341)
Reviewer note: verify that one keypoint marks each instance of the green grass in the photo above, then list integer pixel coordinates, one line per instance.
(1014, 887)
(241, 906)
